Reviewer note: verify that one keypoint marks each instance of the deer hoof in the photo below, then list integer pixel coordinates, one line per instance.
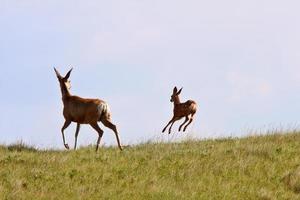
(67, 146)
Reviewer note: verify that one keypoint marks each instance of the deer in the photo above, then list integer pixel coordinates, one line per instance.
(84, 111)
(187, 110)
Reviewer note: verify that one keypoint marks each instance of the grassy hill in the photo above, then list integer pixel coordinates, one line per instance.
(258, 167)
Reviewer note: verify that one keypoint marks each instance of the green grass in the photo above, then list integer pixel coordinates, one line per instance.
(258, 167)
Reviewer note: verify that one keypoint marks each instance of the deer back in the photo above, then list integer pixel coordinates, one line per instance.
(84, 111)
(184, 109)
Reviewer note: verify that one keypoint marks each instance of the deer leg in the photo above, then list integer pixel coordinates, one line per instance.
(100, 133)
(171, 121)
(191, 120)
(76, 135)
(186, 119)
(66, 124)
(174, 120)
(113, 127)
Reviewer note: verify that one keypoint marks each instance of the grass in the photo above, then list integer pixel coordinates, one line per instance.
(257, 167)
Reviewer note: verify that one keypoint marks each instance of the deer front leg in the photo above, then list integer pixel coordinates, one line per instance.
(173, 121)
(66, 124)
(76, 135)
(168, 125)
(100, 133)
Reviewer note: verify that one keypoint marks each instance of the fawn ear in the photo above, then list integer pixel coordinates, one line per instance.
(68, 74)
(178, 93)
(57, 74)
(175, 90)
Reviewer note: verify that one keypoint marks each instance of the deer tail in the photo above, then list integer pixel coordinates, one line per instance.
(193, 106)
(103, 110)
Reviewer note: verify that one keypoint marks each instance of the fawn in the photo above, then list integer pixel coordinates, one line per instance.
(187, 110)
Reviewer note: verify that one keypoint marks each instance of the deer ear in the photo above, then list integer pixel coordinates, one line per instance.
(178, 93)
(68, 74)
(175, 90)
(57, 74)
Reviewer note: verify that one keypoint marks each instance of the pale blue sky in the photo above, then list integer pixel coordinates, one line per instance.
(240, 60)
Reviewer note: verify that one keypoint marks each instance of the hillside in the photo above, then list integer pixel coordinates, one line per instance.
(258, 167)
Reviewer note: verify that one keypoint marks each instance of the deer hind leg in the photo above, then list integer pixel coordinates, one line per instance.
(76, 135)
(113, 127)
(100, 133)
(66, 125)
(191, 120)
(185, 121)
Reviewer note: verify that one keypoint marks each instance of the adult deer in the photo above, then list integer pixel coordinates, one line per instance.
(187, 110)
(83, 111)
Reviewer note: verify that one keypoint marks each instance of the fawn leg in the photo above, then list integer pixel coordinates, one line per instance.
(171, 121)
(186, 119)
(174, 120)
(191, 120)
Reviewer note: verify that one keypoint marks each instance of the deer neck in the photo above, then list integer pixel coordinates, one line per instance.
(176, 101)
(65, 92)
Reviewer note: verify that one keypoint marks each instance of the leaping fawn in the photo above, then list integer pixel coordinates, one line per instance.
(187, 110)
(83, 111)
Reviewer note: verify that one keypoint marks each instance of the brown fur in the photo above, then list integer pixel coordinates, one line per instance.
(84, 111)
(187, 110)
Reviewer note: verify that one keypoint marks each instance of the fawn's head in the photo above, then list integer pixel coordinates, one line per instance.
(64, 81)
(175, 95)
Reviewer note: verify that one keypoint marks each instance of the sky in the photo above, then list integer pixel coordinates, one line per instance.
(239, 60)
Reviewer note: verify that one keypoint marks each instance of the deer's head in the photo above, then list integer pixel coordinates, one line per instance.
(175, 95)
(64, 81)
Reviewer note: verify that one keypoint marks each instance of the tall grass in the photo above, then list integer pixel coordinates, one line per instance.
(256, 167)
